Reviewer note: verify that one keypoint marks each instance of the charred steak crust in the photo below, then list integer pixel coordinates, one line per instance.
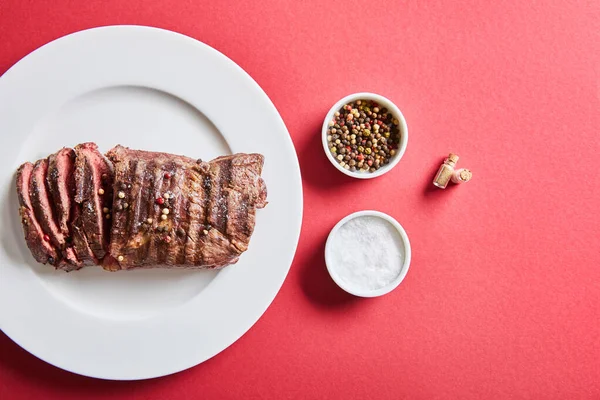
(163, 209)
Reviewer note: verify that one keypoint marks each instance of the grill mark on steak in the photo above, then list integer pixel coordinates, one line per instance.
(197, 193)
(241, 221)
(137, 206)
(80, 244)
(180, 216)
(213, 196)
(41, 250)
(147, 204)
(219, 204)
(208, 192)
(161, 246)
(155, 184)
(171, 245)
(208, 183)
(162, 227)
(129, 180)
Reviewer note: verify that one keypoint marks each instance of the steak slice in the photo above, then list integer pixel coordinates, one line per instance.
(80, 244)
(42, 250)
(44, 213)
(93, 192)
(234, 211)
(245, 188)
(61, 185)
(211, 209)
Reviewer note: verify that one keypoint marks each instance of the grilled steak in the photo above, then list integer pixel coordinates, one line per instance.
(93, 192)
(209, 208)
(139, 209)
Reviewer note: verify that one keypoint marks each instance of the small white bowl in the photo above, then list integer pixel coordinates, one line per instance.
(331, 267)
(383, 102)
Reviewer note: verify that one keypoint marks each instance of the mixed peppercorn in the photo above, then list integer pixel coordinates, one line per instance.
(362, 136)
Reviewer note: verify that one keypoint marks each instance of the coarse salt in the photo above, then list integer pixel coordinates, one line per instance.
(367, 253)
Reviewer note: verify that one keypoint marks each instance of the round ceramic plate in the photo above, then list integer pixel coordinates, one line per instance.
(149, 89)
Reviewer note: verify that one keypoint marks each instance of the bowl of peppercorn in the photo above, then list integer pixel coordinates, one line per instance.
(364, 135)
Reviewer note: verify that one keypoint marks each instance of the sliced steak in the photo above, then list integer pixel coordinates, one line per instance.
(44, 212)
(80, 244)
(243, 191)
(152, 209)
(42, 250)
(93, 192)
(61, 185)
(211, 208)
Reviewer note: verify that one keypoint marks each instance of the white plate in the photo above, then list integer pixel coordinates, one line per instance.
(148, 89)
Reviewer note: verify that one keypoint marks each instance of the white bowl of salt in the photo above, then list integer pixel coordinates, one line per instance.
(368, 253)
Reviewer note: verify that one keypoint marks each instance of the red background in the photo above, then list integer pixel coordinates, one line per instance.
(502, 299)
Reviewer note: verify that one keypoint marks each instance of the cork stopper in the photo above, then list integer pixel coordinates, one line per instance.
(465, 175)
(461, 175)
(453, 158)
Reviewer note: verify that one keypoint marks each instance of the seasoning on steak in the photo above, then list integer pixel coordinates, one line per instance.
(42, 250)
(211, 209)
(93, 191)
